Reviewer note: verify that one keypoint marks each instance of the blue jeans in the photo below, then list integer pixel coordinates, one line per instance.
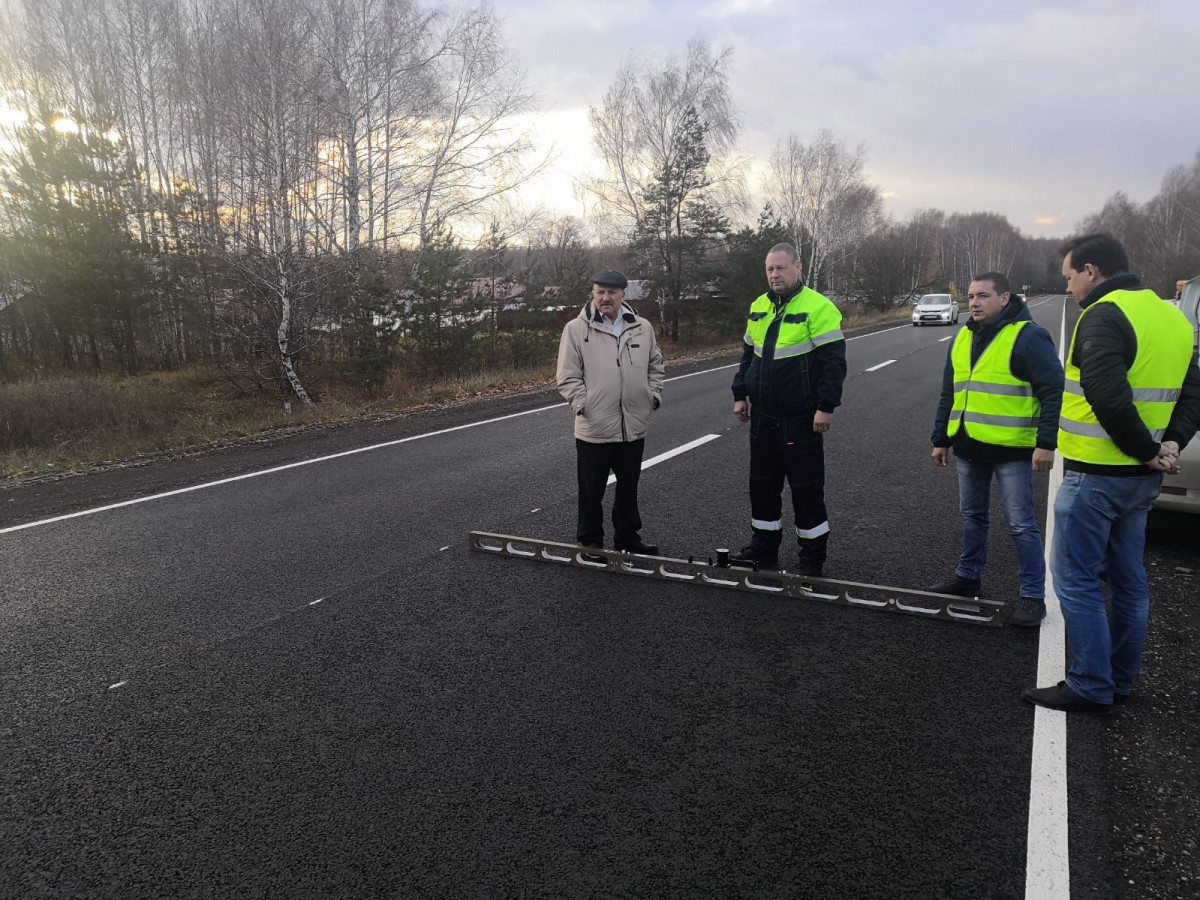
(1098, 520)
(1015, 479)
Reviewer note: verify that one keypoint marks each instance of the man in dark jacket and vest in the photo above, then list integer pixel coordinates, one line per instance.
(792, 369)
(1001, 393)
(611, 372)
(1131, 403)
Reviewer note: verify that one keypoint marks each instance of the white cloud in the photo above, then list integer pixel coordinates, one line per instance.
(1035, 110)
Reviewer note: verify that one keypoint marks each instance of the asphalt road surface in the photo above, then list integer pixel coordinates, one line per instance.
(303, 684)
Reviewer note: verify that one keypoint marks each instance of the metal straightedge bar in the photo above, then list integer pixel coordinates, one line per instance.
(974, 610)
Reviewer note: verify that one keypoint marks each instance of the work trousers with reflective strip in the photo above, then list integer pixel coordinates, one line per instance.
(788, 448)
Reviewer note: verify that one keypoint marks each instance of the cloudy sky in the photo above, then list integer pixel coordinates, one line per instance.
(1037, 110)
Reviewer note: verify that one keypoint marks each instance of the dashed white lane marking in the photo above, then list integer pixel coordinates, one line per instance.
(662, 457)
(880, 366)
(443, 549)
(539, 509)
(113, 687)
(948, 337)
(1047, 862)
(315, 602)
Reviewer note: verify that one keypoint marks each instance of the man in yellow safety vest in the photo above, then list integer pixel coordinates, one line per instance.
(1001, 392)
(1131, 402)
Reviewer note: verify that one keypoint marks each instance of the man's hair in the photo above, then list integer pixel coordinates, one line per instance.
(1102, 250)
(785, 248)
(998, 279)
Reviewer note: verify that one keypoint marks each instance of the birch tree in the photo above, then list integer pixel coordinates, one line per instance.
(821, 193)
(638, 130)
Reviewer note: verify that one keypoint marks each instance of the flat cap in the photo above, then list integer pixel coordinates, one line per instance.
(610, 278)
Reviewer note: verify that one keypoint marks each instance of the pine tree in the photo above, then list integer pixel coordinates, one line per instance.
(680, 227)
(84, 275)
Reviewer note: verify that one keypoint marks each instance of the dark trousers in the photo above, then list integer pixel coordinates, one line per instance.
(594, 462)
(788, 449)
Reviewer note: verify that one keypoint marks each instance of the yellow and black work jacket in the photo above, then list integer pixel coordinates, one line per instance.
(1131, 354)
(794, 356)
(1001, 389)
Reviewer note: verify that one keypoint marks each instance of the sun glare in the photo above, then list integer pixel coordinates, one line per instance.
(11, 118)
(65, 126)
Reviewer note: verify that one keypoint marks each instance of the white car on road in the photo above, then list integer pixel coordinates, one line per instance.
(935, 309)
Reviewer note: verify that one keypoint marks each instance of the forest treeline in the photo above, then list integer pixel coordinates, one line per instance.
(295, 189)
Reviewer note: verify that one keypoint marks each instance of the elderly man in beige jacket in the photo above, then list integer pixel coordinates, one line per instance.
(611, 372)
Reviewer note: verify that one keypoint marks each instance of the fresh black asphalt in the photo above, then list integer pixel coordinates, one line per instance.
(323, 693)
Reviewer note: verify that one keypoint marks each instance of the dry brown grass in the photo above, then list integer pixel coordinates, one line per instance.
(57, 423)
(62, 422)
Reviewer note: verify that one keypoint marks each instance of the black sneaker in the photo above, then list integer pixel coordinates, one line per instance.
(1029, 614)
(750, 554)
(959, 587)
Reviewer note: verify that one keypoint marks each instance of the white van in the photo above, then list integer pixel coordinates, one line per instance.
(1181, 492)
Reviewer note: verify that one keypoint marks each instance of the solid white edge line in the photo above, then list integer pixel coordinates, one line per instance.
(880, 366)
(305, 462)
(1047, 859)
(663, 457)
(308, 462)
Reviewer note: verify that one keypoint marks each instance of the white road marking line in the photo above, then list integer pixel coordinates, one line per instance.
(113, 687)
(662, 457)
(443, 549)
(1047, 862)
(344, 453)
(858, 337)
(271, 471)
(539, 509)
(948, 337)
(315, 602)
(880, 366)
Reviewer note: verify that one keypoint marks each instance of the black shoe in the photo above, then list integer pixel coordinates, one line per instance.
(1029, 614)
(959, 587)
(594, 557)
(1062, 697)
(750, 554)
(811, 568)
(637, 545)
(1120, 698)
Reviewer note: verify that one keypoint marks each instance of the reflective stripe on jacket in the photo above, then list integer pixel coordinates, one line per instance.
(1164, 352)
(806, 324)
(995, 406)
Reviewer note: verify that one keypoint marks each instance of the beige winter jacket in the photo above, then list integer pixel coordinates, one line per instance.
(612, 384)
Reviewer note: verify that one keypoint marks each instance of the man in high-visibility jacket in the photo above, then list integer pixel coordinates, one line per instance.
(787, 386)
(1001, 392)
(1131, 402)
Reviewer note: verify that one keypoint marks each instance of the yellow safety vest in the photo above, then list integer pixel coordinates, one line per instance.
(809, 320)
(996, 406)
(1164, 351)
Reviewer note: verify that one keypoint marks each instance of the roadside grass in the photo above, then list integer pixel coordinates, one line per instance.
(61, 422)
